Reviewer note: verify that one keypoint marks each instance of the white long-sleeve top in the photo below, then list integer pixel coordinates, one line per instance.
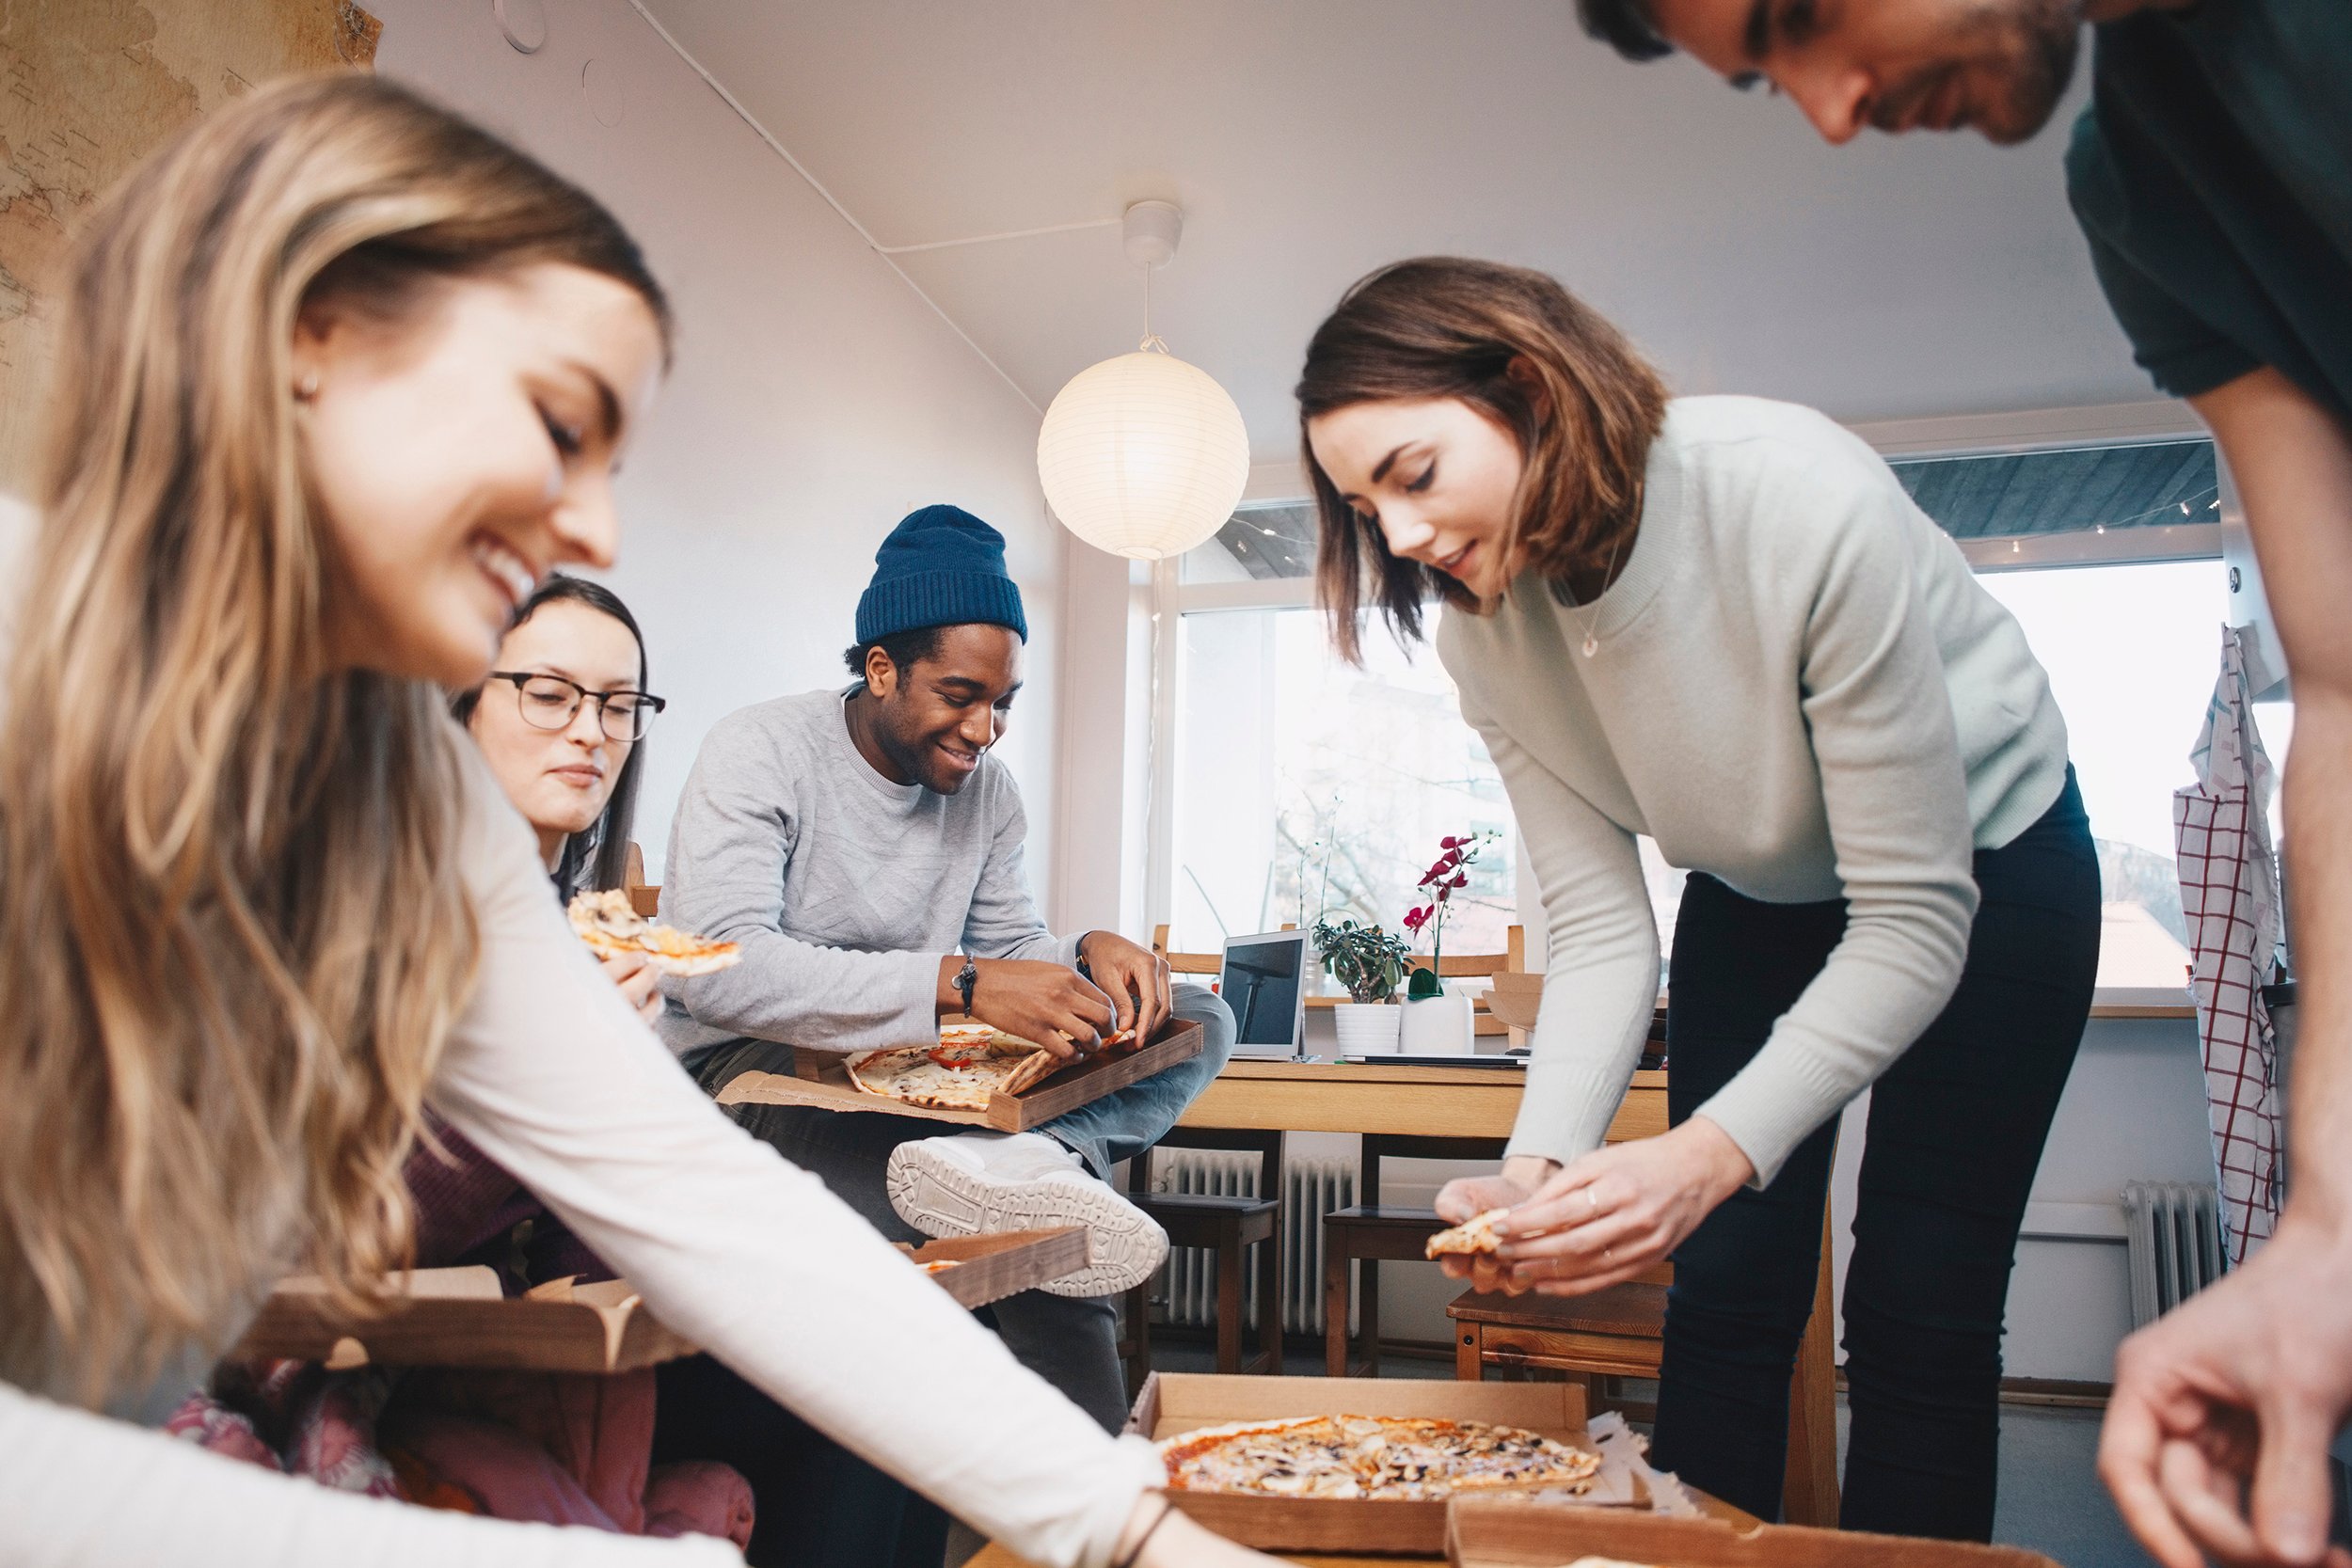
(1797, 687)
(556, 1078)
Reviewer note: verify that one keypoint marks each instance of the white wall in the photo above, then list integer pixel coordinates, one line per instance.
(816, 398)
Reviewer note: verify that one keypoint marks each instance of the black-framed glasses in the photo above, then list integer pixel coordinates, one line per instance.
(550, 703)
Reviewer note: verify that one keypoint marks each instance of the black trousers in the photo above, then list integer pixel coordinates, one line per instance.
(1956, 1130)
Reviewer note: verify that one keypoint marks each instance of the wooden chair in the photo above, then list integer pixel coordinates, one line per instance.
(1369, 1231)
(645, 900)
(1229, 1227)
(1618, 1333)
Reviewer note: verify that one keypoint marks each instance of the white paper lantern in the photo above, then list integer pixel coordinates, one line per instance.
(1143, 456)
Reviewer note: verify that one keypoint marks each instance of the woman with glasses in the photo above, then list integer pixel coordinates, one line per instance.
(558, 721)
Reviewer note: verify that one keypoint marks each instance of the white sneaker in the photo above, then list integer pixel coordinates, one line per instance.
(978, 1183)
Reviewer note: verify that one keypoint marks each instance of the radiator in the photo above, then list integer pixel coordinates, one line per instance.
(1184, 1293)
(2173, 1233)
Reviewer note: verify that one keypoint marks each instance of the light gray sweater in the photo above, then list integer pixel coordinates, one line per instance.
(846, 890)
(1799, 689)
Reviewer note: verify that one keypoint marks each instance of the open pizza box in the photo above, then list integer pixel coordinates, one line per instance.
(989, 1268)
(458, 1318)
(1172, 1403)
(1506, 1532)
(819, 1078)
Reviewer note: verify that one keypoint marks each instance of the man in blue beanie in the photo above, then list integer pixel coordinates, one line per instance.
(866, 850)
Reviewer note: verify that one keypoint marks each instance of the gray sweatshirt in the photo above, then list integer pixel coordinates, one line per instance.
(846, 890)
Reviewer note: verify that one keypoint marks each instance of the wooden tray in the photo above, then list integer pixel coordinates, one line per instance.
(457, 1318)
(1174, 1402)
(1503, 1532)
(820, 1080)
(989, 1268)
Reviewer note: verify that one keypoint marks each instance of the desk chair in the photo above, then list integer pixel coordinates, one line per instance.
(1370, 1232)
(1228, 1227)
(1618, 1333)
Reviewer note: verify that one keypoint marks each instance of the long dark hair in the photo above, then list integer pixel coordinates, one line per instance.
(595, 858)
(1582, 403)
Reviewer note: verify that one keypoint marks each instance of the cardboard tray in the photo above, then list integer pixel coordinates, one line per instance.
(1175, 1402)
(989, 1268)
(1503, 1532)
(458, 1318)
(820, 1080)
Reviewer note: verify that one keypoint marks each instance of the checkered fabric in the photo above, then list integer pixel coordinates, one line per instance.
(2230, 893)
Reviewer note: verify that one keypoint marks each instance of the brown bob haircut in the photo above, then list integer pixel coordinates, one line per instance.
(1581, 404)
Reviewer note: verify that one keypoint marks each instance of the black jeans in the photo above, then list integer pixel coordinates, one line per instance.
(1956, 1130)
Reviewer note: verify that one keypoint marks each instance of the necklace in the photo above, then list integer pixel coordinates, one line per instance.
(1592, 642)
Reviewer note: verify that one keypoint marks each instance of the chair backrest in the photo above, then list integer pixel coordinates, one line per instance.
(1461, 966)
(644, 899)
(1268, 1146)
(1186, 963)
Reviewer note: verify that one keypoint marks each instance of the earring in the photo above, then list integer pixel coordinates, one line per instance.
(308, 387)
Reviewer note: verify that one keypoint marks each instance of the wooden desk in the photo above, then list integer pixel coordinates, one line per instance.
(1435, 1102)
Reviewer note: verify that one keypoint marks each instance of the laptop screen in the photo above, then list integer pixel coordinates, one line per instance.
(1261, 984)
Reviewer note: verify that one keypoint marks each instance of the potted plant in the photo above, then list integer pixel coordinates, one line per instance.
(1437, 1019)
(1371, 964)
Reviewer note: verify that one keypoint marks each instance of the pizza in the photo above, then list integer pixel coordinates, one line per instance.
(610, 923)
(1473, 1237)
(1381, 1458)
(971, 1061)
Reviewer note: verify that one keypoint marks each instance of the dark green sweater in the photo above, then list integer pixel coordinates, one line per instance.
(2213, 176)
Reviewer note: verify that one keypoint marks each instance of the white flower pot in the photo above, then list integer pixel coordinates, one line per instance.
(1367, 1028)
(1435, 1025)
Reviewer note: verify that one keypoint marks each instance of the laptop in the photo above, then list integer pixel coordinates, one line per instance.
(1264, 982)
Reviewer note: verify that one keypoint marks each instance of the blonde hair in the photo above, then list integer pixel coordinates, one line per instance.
(233, 938)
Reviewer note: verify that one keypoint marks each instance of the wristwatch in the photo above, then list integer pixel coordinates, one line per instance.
(967, 978)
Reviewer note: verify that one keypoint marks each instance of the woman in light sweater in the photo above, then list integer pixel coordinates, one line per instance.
(1720, 621)
(341, 379)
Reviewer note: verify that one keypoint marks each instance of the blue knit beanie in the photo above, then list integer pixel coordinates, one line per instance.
(941, 566)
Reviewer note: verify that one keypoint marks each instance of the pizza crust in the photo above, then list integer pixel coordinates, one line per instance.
(1472, 1238)
(971, 1064)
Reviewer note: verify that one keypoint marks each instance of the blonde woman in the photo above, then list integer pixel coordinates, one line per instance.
(344, 379)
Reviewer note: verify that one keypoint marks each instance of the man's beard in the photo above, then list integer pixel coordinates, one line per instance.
(2032, 44)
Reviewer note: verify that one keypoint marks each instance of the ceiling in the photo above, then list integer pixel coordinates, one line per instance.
(1310, 140)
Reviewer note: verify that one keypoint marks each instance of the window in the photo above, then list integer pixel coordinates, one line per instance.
(2132, 651)
(1304, 786)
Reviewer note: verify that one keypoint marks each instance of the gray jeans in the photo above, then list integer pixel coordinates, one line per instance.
(1070, 1343)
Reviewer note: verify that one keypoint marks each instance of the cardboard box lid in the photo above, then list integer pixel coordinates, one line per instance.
(989, 1268)
(1500, 1533)
(1515, 998)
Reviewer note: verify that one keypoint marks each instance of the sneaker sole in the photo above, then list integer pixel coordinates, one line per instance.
(940, 1198)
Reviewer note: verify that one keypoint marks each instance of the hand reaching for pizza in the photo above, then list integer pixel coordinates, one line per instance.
(1049, 1003)
(1134, 978)
(1603, 1219)
(1468, 1197)
(640, 982)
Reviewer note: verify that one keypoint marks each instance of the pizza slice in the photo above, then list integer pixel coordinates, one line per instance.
(1471, 1238)
(610, 924)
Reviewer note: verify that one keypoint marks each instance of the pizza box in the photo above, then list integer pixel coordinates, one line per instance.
(1171, 1403)
(821, 1079)
(458, 1318)
(989, 1268)
(1507, 1532)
